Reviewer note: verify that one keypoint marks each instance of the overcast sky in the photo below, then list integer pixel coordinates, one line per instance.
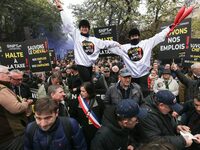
(68, 2)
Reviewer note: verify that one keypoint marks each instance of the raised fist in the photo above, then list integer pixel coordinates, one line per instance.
(58, 5)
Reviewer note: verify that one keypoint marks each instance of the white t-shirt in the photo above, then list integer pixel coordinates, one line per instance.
(137, 57)
(86, 49)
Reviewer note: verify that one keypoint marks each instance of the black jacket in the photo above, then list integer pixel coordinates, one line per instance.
(191, 119)
(192, 86)
(114, 94)
(23, 91)
(111, 136)
(157, 126)
(88, 128)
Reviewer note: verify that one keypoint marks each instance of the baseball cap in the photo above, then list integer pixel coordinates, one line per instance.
(124, 72)
(128, 108)
(168, 98)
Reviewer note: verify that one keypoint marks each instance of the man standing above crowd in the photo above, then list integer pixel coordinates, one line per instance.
(12, 114)
(137, 55)
(86, 47)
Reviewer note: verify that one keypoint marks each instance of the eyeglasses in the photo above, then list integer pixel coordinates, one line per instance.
(5, 72)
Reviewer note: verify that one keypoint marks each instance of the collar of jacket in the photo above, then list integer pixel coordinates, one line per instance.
(119, 86)
(53, 127)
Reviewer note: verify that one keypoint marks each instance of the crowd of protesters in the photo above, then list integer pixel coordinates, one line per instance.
(125, 102)
(124, 117)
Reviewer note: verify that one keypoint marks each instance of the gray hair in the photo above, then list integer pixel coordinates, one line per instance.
(52, 89)
(16, 71)
(3, 68)
(195, 65)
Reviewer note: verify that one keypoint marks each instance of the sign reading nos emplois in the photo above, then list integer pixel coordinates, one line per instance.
(177, 43)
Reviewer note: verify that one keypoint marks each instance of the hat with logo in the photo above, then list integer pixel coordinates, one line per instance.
(168, 98)
(124, 72)
(128, 108)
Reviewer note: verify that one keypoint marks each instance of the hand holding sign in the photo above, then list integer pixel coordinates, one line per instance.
(181, 15)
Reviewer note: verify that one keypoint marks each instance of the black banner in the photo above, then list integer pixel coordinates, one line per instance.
(34, 93)
(70, 55)
(177, 43)
(193, 54)
(52, 57)
(38, 55)
(106, 33)
(13, 55)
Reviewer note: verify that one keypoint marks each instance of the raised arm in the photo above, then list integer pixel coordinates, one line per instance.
(158, 38)
(67, 21)
(105, 44)
(186, 81)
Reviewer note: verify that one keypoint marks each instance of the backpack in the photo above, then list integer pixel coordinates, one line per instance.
(66, 126)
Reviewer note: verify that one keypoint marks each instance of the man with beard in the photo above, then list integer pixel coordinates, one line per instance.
(13, 114)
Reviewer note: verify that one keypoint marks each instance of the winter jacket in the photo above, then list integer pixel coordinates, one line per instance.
(23, 90)
(191, 119)
(12, 114)
(191, 85)
(55, 138)
(173, 85)
(89, 129)
(157, 126)
(111, 136)
(114, 95)
(182, 88)
(43, 89)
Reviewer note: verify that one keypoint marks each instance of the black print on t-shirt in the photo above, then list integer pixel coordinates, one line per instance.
(135, 53)
(88, 47)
